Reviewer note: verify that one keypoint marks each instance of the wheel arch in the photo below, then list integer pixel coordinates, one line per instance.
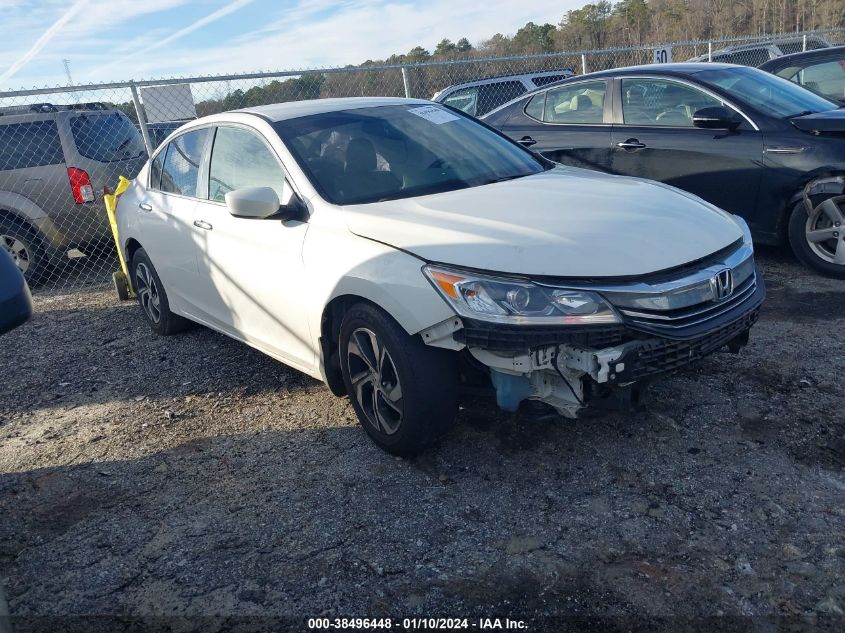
(814, 183)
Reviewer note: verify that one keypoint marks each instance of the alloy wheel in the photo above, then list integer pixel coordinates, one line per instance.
(18, 250)
(375, 382)
(824, 230)
(147, 290)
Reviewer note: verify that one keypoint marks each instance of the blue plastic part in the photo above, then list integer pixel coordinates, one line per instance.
(510, 389)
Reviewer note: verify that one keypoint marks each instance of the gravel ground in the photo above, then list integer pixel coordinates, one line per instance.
(192, 476)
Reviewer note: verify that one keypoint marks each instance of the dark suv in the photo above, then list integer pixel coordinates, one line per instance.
(54, 163)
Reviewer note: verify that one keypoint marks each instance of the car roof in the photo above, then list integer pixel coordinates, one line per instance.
(785, 61)
(294, 109)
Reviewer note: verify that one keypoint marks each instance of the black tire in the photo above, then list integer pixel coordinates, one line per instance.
(816, 255)
(427, 379)
(152, 297)
(26, 246)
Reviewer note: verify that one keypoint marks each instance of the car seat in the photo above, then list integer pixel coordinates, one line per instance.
(361, 177)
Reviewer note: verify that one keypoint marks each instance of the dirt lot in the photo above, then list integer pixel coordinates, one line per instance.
(186, 476)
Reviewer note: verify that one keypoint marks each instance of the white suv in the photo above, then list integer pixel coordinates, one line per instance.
(397, 251)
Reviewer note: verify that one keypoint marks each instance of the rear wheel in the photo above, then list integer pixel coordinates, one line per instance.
(152, 297)
(25, 246)
(818, 238)
(403, 392)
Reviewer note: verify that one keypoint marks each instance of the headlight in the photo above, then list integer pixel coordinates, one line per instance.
(746, 232)
(510, 301)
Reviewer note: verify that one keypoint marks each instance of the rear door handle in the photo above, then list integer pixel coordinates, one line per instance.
(202, 224)
(145, 207)
(631, 143)
(527, 141)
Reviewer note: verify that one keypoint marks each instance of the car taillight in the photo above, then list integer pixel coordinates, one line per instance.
(80, 185)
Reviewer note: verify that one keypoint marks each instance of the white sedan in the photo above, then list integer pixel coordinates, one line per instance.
(399, 250)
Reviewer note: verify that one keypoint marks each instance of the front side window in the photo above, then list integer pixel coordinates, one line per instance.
(400, 151)
(579, 104)
(240, 159)
(33, 144)
(768, 93)
(825, 78)
(106, 137)
(180, 168)
(657, 102)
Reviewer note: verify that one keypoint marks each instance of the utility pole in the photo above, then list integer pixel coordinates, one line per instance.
(66, 62)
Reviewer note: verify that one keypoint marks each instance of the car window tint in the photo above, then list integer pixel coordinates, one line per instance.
(492, 95)
(181, 163)
(826, 78)
(106, 137)
(465, 99)
(240, 159)
(662, 103)
(534, 109)
(33, 144)
(581, 103)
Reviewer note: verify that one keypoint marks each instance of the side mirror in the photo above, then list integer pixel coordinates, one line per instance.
(260, 203)
(715, 118)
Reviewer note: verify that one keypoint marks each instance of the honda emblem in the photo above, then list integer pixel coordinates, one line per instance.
(722, 284)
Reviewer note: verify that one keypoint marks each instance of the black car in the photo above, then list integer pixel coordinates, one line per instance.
(745, 140)
(15, 300)
(822, 71)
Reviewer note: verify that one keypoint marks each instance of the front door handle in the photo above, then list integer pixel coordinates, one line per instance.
(202, 224)
(631, 143)
(527, 141)
(145, 207)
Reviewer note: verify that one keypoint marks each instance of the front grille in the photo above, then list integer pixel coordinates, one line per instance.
(689, 316)
(661, 355)
(517, 338)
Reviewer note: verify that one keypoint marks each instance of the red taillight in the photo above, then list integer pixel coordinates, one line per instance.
(80, 185)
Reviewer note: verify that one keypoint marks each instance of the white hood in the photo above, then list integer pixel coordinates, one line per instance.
(565, 222)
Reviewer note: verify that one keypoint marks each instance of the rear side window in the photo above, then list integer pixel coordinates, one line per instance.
(180, 169)
(106, 138)
(581, 103)
(465, 99)
(548, 79)
(33, 144)
(491, 96)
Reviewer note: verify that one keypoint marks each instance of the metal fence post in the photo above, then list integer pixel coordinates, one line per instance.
(804, 46)
(709, 51)
(583, 63)
(142, 120)
(405, 82)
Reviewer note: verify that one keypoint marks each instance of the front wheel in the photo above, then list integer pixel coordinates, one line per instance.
(152, 297)
(403, 392)
(818, 238)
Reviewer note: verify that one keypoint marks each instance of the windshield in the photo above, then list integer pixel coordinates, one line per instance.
(106, 137)
(400, 151)
(768, 93)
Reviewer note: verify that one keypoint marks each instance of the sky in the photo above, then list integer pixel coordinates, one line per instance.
(113, 40)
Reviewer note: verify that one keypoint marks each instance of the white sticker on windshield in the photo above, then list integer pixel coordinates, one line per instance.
(434, 114)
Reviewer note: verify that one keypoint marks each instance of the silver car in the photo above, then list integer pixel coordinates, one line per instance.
(479, 97)
(54, 163)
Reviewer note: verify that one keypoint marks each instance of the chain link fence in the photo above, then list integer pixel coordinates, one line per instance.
(59, 147)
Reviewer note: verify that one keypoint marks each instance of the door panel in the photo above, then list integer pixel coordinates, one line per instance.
(657, 141)
(252, 282)
(166, 214)
(568, 124)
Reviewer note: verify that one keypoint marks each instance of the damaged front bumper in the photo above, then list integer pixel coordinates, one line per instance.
(572, 369)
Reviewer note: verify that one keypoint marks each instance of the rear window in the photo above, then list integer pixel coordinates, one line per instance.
(106, 137)
(549, 79)
(34, 144)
